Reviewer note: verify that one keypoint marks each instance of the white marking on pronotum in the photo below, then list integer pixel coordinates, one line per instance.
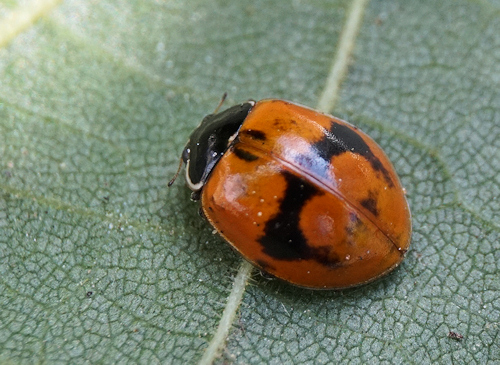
(326, 103)
(233, 303)
(340, 63)
(22, 17)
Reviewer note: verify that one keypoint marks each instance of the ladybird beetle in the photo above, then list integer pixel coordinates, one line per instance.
(303, 196)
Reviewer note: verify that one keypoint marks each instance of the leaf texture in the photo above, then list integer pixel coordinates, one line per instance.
(101, 263)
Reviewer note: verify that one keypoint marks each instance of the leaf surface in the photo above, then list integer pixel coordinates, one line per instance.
(101, 262)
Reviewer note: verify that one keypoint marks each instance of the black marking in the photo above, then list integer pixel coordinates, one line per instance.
(341, 139)
(324, 256)
(244, 155)
(252, 133)
(265, 265)
(210, 139)
(370, 203)
(283, 239)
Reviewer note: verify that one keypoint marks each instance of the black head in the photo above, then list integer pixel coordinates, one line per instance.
(209, 141)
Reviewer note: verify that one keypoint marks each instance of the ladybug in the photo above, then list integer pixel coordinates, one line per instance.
(303, 196)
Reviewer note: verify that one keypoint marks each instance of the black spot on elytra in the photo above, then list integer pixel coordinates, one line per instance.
(254, 134)
(324, 256)
(341, 139)
(283, 239)
(244, 155)
(370, 203)
(265, 265)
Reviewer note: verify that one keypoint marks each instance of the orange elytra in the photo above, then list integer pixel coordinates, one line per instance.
(302, 195)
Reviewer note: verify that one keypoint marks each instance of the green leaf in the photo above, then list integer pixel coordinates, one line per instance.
(101, 263)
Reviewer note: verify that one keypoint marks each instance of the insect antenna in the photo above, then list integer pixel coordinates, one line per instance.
(171, 182)
(224, 96)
